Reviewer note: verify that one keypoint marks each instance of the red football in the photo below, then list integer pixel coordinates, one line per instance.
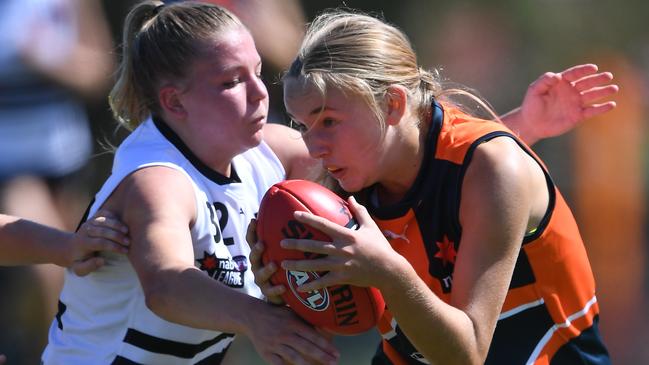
(339, 309)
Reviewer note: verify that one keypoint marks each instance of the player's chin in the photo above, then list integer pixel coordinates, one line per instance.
(350, 185)
(255, 138)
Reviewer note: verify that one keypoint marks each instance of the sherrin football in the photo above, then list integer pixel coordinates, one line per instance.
(339, 309)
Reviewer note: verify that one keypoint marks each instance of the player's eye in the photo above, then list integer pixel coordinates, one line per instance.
(232, 83)
(298, 126)
(328, 122)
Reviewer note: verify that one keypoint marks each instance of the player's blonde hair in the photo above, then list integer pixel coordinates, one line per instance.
(358, 53)
(160, 42)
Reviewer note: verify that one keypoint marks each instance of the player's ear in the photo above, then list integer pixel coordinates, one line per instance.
(396, 102)
(170, 102)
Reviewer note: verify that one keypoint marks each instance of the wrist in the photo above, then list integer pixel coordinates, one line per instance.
(64, 255)
(398, 273)
(253, 313)
(519, 124)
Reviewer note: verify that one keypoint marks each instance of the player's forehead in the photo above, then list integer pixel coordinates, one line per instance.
(229, 49)
(301, 97)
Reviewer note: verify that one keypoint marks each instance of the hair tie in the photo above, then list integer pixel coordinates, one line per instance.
(296, 67)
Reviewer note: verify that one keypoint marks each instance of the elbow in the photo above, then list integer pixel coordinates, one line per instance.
(481, 345)
(456, 358)
(472, 347)
(155, 298)
(469, 359)
(479, 359)
(460, 352)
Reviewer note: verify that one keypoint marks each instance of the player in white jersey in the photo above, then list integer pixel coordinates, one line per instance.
(224, 207)
(187, 181)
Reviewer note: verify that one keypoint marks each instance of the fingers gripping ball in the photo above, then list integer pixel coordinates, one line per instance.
(339, 309)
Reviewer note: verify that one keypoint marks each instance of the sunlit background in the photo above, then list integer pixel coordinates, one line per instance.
(496, 47)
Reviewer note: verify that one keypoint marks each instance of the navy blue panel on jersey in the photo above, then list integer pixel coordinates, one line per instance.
(587, 348)
(523, 274)
(517, 336)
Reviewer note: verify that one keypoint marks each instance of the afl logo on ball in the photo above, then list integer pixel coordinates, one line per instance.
(317, 300)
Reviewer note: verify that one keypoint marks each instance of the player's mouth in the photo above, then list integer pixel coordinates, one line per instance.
(259, 120)
(335, 171)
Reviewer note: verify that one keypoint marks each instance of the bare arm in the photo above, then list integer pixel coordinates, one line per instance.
(23, 242)
(162, 252)
(556, 102)
(162, 255)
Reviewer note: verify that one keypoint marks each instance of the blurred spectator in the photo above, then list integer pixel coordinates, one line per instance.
(55, 57)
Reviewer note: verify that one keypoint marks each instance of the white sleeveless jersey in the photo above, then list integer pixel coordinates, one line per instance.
(103, 318)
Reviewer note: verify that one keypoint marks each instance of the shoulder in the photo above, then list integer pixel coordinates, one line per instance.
(460, 132)
(288, 145)
(501, 156)
(502, 176)
(155, 192)
(158, 179)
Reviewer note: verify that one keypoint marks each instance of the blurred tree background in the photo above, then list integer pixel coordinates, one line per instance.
(498, 47)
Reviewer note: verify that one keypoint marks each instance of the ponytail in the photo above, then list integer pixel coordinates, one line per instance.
(430, 88)
(127, 99)
(161, 42)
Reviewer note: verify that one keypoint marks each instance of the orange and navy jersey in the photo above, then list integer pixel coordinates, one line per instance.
(550, 313)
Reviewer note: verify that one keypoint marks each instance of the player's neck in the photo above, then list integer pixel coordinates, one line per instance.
(405, 162)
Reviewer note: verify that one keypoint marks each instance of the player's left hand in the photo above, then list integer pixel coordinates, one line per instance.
(556, 102)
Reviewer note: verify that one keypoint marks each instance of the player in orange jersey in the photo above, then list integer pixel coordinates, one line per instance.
(462, 228)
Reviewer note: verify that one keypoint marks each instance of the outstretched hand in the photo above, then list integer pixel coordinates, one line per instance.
(103, 232)
(556, 102)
